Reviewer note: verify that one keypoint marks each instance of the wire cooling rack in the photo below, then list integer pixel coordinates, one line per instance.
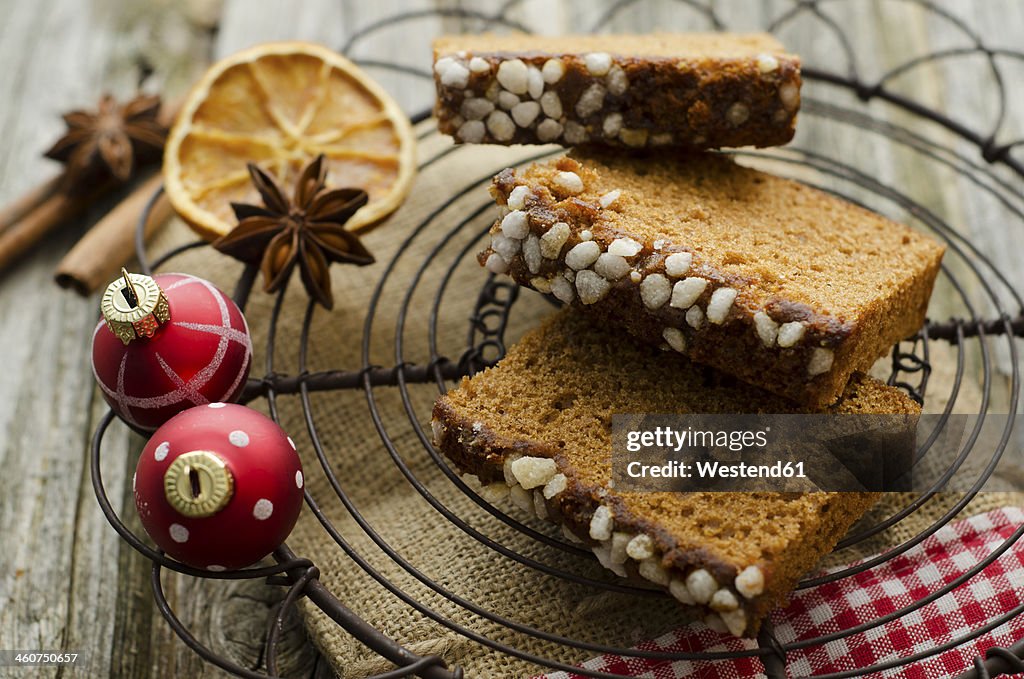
(988, 166)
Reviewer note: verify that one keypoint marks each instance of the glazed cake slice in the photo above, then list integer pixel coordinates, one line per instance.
(784, 286)
(697, 91)
(538, 428)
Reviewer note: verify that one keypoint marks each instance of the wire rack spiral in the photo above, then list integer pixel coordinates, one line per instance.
(991, 325)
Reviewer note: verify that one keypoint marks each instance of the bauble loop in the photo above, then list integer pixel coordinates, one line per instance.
(198, 484)
(134, 307)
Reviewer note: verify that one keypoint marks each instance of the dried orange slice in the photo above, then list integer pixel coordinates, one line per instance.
(281, 105)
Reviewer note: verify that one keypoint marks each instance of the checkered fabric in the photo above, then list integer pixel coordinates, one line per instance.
(867, 596)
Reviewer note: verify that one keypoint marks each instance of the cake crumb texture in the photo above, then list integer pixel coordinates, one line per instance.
(794, 289)
(553, 396)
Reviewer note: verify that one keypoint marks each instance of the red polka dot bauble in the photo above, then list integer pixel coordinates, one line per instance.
(168, 343)
(219, 486)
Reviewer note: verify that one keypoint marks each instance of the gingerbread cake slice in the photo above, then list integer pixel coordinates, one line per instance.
(696, 91)
(784, 286)
(537, 429)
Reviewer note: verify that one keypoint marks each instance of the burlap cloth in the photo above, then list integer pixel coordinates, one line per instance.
(431, 543)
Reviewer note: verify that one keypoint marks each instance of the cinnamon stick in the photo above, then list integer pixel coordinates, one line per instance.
(97, 257)
(12, 212)
(41, 220)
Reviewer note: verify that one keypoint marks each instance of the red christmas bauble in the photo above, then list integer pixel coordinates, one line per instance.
(200, 355)
(219, 486)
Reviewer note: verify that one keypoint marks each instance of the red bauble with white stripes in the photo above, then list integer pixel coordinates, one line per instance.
(219, 486)
(154, 369)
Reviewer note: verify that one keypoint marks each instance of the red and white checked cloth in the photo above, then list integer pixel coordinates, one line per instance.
(866, 596)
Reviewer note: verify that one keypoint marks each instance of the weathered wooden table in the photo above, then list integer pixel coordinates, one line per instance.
(66, 580)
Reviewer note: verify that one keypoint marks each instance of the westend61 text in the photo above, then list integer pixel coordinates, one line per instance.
(711, 469)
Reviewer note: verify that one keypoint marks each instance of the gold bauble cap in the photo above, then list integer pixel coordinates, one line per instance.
(198, 484)
(134, 306)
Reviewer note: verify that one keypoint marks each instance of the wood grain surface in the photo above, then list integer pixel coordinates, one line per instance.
(66, 581)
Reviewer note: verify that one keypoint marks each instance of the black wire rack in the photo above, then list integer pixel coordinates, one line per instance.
(987, 165)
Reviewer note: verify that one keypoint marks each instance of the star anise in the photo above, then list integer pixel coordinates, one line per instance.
(308, 231)
(110, 141)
